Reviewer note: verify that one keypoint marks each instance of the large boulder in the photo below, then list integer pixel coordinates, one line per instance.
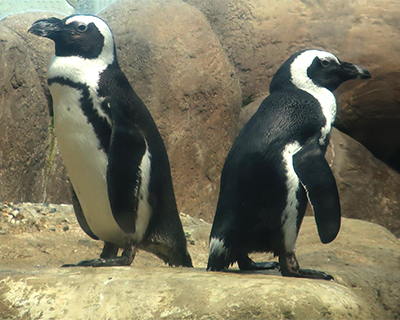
(29, 160)
(363, 259)
(260, 35)
(370, 113)
(368, 188)
(176, 65)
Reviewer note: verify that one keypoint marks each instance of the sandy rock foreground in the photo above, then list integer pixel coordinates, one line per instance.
(36, 240)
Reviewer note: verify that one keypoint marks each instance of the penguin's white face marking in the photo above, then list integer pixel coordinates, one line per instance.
(217, 247)
(300, 65)
(289, 216)
(83, 70)
(74, 66)
(300, 78)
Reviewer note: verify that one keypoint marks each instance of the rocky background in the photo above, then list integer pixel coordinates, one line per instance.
(203, 68)
(197, 65)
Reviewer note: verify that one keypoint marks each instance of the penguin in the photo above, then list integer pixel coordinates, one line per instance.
(277, 165)
(114, 154)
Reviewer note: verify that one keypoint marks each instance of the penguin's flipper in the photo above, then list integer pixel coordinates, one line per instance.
(126, 150)
(316, 176)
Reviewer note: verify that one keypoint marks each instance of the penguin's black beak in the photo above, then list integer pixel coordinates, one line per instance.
(354, 71)
(47, 28)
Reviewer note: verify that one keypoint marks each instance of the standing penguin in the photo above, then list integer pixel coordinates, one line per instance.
(114, 154)
(276, 163)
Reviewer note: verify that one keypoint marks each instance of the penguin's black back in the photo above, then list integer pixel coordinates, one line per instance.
(132, 112)
(253, 188)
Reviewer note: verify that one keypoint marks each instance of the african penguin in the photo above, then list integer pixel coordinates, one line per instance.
(114, 154)
(277, 163)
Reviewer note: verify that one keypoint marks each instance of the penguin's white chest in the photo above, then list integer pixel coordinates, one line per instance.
(86, 162)
(289, 215)
(328, 105)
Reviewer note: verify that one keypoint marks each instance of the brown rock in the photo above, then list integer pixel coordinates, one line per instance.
(259, 35)
(370, 113)
(363, 259)
(368, 188)
(29, 161)
(177, 66)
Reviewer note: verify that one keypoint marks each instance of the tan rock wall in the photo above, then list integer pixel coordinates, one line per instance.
(190, 61)
(178, 67)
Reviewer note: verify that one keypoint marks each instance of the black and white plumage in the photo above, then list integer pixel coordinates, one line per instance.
(114, 154)
(277, 164)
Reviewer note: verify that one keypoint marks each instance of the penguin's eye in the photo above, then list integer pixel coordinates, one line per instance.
(325, 63)
(82, 27)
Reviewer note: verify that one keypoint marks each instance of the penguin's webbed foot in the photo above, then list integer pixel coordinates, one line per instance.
(108, 258)
(312, 274)
(289, 267)
(246, 264)
(111, 262)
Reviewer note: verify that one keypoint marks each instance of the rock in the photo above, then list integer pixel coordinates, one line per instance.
(162, 293)
(29, 163)
(33, 286)
(370, 113)
(178, 67)
(260, 35)
(368, 188)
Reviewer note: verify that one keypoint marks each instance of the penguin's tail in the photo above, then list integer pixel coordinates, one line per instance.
(217, 260)
(180, 259)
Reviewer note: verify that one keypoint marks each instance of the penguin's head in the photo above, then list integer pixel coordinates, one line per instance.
(85, 36)
(316, 68)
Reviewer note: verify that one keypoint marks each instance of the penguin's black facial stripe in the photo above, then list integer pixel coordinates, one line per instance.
(330, 73)
(100, 124)
(326, 72)
(79, 39)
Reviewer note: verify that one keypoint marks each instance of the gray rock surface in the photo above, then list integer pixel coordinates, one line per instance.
(364, 260)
